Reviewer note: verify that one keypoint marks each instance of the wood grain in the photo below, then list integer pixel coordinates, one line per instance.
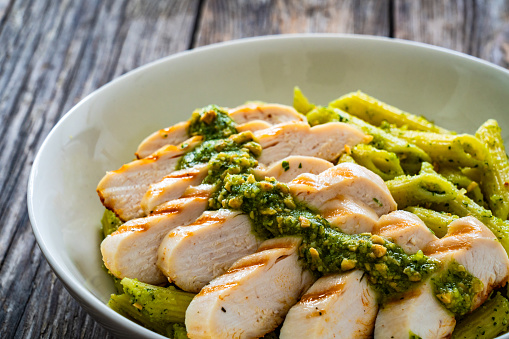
(54, 52)
(475, 27)
(224, 20)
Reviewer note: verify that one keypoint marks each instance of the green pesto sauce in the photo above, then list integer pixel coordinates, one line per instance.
(234, 155)
(455, 287)
(211, 122)
(324, 250)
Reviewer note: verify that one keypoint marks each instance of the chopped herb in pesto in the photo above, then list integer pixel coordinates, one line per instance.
(211, 122)
(456, 288)
(276, 213)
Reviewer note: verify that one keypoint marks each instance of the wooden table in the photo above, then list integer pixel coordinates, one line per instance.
(55, 52)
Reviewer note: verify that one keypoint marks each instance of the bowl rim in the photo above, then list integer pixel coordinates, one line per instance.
(72, 284)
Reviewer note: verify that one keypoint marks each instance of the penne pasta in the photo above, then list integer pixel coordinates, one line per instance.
(495, 177)
(375, 112)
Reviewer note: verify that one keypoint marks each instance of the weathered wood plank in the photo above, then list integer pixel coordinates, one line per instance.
(53, 54)
(224, 20)
(479, 28)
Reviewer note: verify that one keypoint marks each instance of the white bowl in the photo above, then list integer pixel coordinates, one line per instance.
(103, 130)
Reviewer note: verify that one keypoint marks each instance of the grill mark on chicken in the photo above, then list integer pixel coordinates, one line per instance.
(211, 289)
(167, 136)
(247, 267)
(324, 294)
(122, 190)
(438, 248)
(176, 205)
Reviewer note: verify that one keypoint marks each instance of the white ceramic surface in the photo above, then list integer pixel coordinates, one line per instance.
(102, 131)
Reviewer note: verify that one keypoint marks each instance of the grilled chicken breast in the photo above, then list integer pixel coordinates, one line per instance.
(191, 256)
(339, 305)
(122, 190)
(347, 180)
(174, 135)
(252, 297)
(405, 229)
(269, 113)
(253, 126)
(290, 167)
(326, 141)
(173, 186)
(335, 306)
(472, 245)
(349, 215)
(419, 313)
(287, 142)
(131, 251)
(399, 318)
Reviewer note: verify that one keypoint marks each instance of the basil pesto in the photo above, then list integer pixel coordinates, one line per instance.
(324, 250)
(211, 122)
(234, 155)
(456, 288)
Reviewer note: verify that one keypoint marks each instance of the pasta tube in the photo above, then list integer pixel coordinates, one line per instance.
(110, 223)
(487, 321)
(436, 221)
(300, 102)
(462, 181)
(122, 304)
(431, 189)
(375, 112)
(384, 163)
(410, 155)
(462, 150)
(424, 188)
(495, 177)
(154, 307)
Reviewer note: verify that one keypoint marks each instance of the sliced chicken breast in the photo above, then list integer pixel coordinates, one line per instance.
(191, 256)
(473, 245)
(418, 313)
(348, 215)
(265, 115)
(405, 229)
(122, 190)
(340, 305)
(326, 141)
(290, 167)
(174, 135)
(131, 251)
(252, 297)
(172, 186)
(347, 180)
(253, 126)
(335, 306)
(271, 113)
